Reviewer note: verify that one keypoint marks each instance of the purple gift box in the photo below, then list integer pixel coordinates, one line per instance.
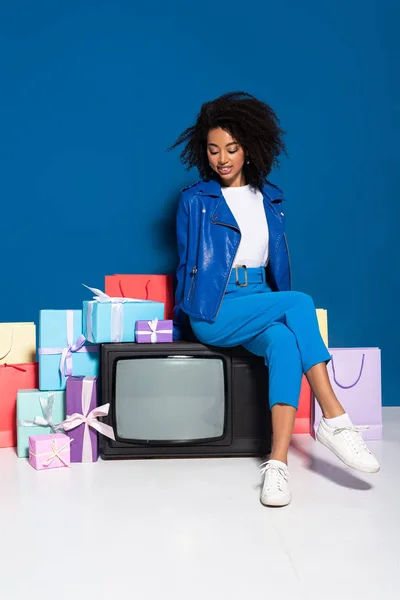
(81, 400)
(82, 424)
(151, 332)
(355, 375)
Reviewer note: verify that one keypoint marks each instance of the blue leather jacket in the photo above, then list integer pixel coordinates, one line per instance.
(208, 238)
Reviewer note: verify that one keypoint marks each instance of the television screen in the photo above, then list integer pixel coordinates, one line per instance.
(169, 399)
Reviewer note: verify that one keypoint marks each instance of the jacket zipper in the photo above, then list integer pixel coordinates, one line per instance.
(195, 270)
(288, 253)
(230, 269)
(192, 283)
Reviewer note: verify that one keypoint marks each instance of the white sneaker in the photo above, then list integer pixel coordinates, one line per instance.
(275, 491)
(348, 445)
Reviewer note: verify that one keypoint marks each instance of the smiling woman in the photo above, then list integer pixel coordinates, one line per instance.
(226, 157)
(233, 277)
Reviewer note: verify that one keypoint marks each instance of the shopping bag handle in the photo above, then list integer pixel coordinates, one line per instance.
(347, 387)
(10, 347)
(146, 288)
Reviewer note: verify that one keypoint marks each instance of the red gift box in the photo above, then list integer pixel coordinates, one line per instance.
(24, 376)
(303, 417)
(146, 287)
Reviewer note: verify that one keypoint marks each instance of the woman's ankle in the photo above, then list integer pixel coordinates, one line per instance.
(279, 456)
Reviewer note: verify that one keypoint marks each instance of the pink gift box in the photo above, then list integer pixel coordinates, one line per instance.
(49, 451)
(151, 332)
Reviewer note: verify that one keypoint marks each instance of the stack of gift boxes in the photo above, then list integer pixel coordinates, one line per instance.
(50, 410)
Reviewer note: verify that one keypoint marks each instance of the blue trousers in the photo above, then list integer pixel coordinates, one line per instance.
(282, 327)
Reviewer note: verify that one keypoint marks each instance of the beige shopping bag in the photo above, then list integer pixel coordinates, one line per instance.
(322, 316)
(17, 343)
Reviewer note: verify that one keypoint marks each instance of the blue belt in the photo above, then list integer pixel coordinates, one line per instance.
(242, 276)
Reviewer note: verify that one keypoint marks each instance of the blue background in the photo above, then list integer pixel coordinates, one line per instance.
(92, 94)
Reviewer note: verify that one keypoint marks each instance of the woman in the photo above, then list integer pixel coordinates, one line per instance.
(234, 281)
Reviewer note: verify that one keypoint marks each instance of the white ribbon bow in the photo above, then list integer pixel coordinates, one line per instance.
(47, 405)
(153, 330)
(77, 419)
(105, 298)
(54, 453)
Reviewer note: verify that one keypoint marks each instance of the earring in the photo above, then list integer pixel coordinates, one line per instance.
(248, 161)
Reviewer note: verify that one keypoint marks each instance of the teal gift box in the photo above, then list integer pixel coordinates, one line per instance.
(38, 413)
(107, 319)
(63, 350)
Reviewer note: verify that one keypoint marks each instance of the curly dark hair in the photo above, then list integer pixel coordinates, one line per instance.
(252, 123)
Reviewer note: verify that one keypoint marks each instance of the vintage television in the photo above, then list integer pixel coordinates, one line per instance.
(184, 399)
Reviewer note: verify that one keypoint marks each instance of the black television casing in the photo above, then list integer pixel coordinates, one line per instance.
(247, 430)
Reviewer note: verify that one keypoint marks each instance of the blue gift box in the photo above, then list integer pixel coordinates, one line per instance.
(115, 321)
(63, 349)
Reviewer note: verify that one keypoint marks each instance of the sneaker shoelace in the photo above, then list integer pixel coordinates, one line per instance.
(354, 436)
(277, 476)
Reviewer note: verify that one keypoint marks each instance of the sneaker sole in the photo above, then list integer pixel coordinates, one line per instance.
(364, 469)
(276, 503)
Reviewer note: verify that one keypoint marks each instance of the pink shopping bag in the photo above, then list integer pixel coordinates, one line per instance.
(355, 375)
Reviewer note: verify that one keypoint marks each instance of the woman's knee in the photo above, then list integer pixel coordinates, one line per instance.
(279, 338)
(303, 299)
(302, 304)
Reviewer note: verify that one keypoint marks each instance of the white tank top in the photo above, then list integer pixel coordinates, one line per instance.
(246, 205)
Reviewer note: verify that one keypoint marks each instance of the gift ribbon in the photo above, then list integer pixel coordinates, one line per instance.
(10, 347)
(54, 453)
(153, 330)
(66, 353)
(89, 419)
(47, 405)
(117, 313)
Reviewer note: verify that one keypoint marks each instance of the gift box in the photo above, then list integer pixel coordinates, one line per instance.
(17, 343)
(107, 319)
(63, 350)
(12, 379)
(82, 424)
(355, 375)
(49, 451)
(154, 331)
(158, 288)
(38, 413)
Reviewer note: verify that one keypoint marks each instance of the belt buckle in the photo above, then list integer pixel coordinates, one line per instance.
(245, 275)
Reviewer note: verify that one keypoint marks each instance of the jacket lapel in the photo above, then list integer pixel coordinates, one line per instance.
(222, 214)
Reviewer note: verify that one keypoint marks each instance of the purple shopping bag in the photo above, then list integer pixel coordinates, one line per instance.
(355, 375)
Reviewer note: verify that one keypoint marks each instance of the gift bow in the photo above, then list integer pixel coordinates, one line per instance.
(90, 420)
(105, 298)
(54, 453)
(47, 405)
(153, 330)
(66, 353)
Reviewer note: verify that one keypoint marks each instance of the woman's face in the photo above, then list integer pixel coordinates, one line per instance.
(226, 157)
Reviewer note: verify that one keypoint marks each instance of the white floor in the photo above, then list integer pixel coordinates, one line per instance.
(194, 529)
